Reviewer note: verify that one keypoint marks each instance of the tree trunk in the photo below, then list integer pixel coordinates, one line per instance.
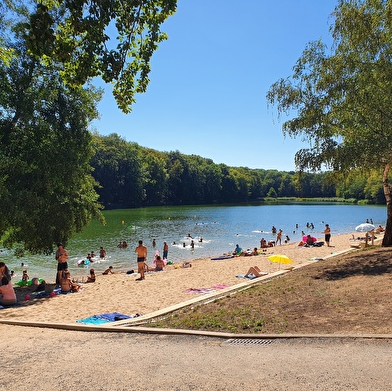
(387, 241)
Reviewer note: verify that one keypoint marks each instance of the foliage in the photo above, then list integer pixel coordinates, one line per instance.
(131, 175)
(117, 165)
(80, 36)
(47, 190)
(342, 100)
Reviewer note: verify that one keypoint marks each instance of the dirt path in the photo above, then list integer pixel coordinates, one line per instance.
(45, 359)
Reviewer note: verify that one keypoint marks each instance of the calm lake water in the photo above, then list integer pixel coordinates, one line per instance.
(221, 228)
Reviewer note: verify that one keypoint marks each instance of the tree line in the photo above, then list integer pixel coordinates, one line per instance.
(130, 175)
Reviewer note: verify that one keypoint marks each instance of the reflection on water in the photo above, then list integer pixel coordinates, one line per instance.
(213, 229)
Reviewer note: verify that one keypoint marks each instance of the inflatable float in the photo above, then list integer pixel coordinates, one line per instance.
(84, 262)
(27, 283)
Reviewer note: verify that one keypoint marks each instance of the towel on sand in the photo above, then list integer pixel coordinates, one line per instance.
(104, 318)
(204, 291)
(250, 277)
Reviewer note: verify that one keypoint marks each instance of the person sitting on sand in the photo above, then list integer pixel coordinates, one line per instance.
(237, 250)
(91, 277)
(309, 241)
(67, 285)
(7, 293)
(254, 272)
(109, 270)
(250, 253)
(159, 265)
(41, 286)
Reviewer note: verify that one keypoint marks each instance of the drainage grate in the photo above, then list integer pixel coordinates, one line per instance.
(249, 341)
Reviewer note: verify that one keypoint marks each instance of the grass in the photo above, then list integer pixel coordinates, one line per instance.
(349, 294)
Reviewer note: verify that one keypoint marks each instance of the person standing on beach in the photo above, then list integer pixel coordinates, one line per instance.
(279, 237)
(165, 250)
(141, 252)
(62, 262)
(327, 233)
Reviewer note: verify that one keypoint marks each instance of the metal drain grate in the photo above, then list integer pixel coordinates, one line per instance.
(249, 341)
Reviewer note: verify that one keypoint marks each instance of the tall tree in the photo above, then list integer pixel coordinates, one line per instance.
(342, 100)
(112, 39)
(47, 191)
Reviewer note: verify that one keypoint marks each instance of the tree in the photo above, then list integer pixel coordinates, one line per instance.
(154, 167)
(342, 100)
(76, 35)
(47, 191)
(118, 169)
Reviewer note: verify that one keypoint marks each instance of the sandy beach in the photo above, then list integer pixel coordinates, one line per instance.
(121, 292)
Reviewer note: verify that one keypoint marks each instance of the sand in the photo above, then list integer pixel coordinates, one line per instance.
(121, 292)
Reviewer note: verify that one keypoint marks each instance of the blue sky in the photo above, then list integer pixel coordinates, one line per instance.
(208, 85)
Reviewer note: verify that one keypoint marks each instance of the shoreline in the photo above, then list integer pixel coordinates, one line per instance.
(120, 292)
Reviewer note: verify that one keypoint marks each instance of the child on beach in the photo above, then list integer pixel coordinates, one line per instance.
(91, 277)
(109, 270)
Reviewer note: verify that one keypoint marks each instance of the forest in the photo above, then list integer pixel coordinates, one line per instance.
(130, 175)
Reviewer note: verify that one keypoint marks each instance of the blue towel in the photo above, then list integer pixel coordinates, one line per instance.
(103, 318)
(250, 277)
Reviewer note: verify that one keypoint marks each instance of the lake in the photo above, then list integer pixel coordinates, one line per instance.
(220, 226)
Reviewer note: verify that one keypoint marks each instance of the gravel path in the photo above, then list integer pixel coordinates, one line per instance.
(46, 359)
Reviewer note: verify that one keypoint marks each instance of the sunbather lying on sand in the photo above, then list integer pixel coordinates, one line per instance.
(255, 271)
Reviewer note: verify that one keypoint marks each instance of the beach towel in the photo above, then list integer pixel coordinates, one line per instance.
(250, 277)
(105, 318)
(223, 257)
(220, 286)
(40, 295)
(204, 291)
(201, 291)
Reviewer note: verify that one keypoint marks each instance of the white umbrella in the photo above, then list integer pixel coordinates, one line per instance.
(365, 227)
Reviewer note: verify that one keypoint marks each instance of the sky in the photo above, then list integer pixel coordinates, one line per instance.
(209, 80)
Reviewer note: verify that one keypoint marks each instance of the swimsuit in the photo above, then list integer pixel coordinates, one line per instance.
(62, 266)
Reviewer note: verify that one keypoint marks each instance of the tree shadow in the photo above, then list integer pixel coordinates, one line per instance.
(373, 264)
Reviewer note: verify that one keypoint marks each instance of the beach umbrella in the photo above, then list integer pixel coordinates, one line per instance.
(365, 227)
(278, 258)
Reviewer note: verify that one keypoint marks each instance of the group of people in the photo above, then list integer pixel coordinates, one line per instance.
(142, 267)
(63, 276)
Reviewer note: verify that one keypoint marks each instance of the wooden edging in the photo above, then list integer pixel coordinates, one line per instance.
(161, 331)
